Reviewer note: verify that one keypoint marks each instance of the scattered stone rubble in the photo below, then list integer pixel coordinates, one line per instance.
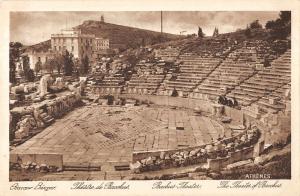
(45, 105)
(182, 157)
(42, 114)
(34, 167)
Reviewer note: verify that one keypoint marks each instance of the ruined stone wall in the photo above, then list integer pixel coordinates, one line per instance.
(52, 160)
(107, 90)
(239, 155)
(144, 154)
(235, 114)
(26, 119)
(219, 155)
(274, 127)
(173, 101)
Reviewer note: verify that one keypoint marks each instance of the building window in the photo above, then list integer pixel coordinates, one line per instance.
(39, 58)
(46, 58)
(72, 48)
(59, 48)
(54, 48)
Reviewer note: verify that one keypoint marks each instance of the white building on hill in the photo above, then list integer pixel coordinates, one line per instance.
(77, 43)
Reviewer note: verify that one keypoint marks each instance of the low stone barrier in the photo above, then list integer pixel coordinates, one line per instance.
(216, 155)
(47, 162)
(173, 101)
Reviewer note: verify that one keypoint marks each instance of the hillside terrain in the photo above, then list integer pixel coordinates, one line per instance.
(39, 47)
(124, 36)
(120, 36)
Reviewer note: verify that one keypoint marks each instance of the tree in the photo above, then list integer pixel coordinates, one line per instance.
(26, 67)
(200, 33)
(281, 27)
(68, 63)
(174, 93)
(110, 99)
(255, 25)
(266, 62)
(143, 42)
(30, 75)
(38, 67)
(76, 63)
(77, 66)
(248, 32)
(14, 56)
(132, 59)
(57, 62)
(84, 65)
(216, 32)
(285, 17)
(49, 65)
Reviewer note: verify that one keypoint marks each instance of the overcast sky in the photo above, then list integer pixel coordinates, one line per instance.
(34, 27)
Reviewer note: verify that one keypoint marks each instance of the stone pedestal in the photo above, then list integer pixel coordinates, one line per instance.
(259, 66)
(259, 148)
(217, 110)
(288, 108)
(44, 84)
(180, 93)
(273, 101)
(253, 111)
(59, 83)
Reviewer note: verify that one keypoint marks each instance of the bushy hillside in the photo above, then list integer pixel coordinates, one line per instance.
(124, 36)
(120, 36)
(40, 47)
(223, 42)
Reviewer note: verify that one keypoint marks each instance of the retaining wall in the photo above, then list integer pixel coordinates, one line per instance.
(173, 101)
(239, 155)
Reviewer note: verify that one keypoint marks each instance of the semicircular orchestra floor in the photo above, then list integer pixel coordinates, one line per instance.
(107, 135)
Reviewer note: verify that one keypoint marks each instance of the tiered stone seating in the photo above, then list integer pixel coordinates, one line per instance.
(192, 70)
(210, 47)
(263, 49)
(275, 101)
(168, 54)
(266, 81)
(145, 84)
(238, 66)
(111, 84)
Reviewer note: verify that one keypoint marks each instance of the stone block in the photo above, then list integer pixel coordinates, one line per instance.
(55, 160)
(247, 153)
(236, 156)
(13, 158)
(22, 133)
(214, 164)
(258, 148)
(50, 159)
(224, 161)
